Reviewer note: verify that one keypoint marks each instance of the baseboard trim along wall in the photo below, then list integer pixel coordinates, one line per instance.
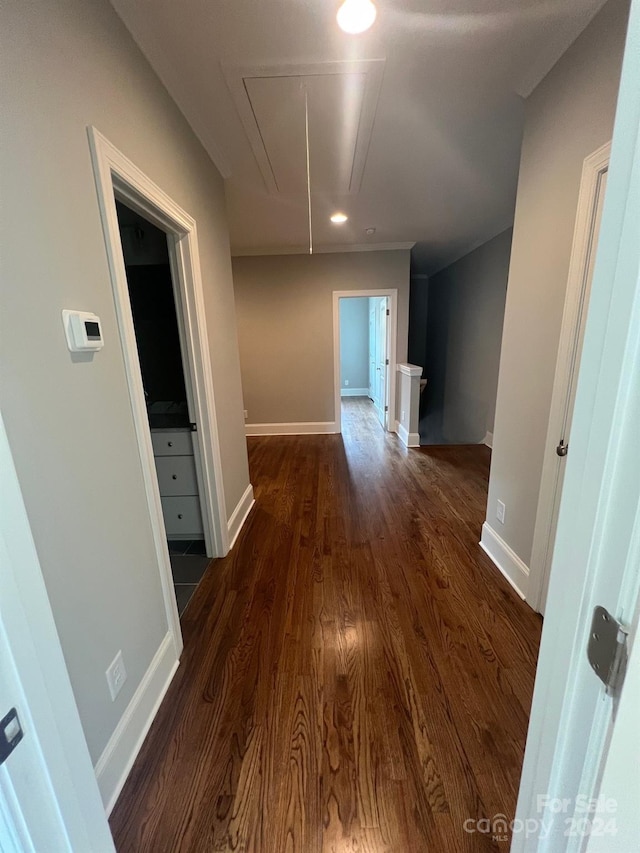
(240, 515)
(506, 560)
(488, 439)
(321, 428)
(354, 392)
(113, 766)
(410, 439)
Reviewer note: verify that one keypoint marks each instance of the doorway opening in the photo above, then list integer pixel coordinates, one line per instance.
(364, 329)
(363, 346)
(120, 182)
(160, 345)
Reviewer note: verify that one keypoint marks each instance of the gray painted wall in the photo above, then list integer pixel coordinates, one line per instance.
(477, 287)
(67, 65)
(418, 313)
(354, 342)
(568, 116)
(284, 305)
(464, 331)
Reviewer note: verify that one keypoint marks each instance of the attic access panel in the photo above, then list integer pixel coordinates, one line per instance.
(342, 98)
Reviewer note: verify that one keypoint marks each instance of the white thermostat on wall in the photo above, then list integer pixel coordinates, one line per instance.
(83, 330)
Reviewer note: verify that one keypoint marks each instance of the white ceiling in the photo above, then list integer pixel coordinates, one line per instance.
(341, 100)
(415, 126)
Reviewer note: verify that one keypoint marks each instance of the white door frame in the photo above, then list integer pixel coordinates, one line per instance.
(392, 335)
(597, 548)
(49, 796)
(576, 301)
(115, 175)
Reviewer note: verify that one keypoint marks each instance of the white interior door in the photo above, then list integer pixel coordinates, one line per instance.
(49, 797)
(29, 816)
(597, 550)
(380, 398)
(372, 350)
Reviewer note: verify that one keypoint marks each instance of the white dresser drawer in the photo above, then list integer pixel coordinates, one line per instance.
(167, 442)
(176, 475)
(182, 516)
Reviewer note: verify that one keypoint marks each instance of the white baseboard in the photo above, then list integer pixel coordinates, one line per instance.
(354, 392)
(116, 761)
(488, 439)
(240, 515)
(321, 428)
(410, 439)
(506, 560)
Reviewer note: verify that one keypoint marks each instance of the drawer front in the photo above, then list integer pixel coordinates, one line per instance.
(176, 475)
(169, 443)
(182, 516)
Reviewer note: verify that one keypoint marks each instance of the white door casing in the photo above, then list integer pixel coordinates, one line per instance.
(586, 232)
(116, 175)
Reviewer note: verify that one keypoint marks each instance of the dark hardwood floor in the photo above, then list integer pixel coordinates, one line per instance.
(356, 676)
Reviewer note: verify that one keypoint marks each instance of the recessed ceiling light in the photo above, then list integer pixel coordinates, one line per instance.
(339, 218)
(370, 231)
(356, 16)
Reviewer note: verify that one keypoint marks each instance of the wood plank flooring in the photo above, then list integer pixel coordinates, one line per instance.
(356, 676)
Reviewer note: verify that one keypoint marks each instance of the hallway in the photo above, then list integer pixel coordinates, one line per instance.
(356, 675)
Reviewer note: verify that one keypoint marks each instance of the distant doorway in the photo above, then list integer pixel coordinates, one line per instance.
(364, 330)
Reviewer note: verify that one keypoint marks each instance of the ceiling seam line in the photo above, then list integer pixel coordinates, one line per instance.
(264, 147)
(306, 125)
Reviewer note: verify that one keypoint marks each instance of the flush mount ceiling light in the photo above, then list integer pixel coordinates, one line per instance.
(339, 218)
(356, 16)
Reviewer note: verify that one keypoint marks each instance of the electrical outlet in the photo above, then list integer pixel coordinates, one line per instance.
(346, 382)
(246, 414)
(116, 675)
(500, 512)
